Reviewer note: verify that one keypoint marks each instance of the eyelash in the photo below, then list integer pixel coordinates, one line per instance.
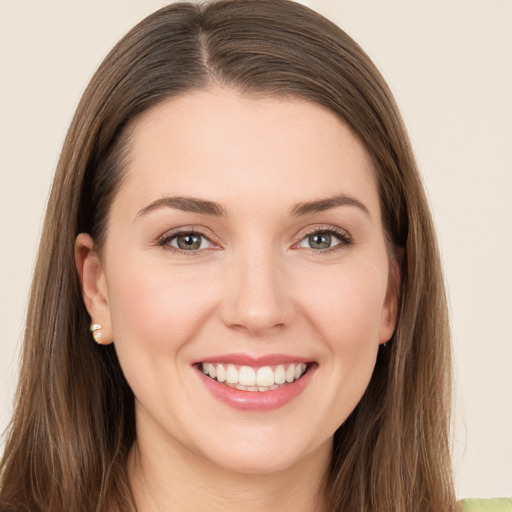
(165, 240)
(344, 240)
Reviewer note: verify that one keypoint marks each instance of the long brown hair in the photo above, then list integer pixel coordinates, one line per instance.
(73, 424)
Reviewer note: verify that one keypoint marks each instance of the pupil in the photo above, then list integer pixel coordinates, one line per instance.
(320, 241)
(188, 242)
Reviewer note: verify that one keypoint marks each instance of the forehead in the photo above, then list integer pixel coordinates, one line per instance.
(222, 145)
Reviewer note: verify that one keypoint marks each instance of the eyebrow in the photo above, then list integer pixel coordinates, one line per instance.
(328, 203)
(205, 207)
(186, 204)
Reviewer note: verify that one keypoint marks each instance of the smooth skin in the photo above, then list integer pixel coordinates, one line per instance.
(266, 273)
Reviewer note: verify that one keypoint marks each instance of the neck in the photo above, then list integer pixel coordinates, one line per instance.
(178, 480)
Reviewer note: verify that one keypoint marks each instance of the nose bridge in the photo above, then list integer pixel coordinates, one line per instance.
(258, 299)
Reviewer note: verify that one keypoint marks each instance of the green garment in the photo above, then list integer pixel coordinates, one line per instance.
(494, 505)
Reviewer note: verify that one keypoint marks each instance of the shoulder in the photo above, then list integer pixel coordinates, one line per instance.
(491, 505)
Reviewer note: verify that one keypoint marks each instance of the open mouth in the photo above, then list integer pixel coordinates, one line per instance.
(247, 378)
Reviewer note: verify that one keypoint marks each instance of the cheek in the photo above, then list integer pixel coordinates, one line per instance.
(156, 309)
(347, 310)
(347, 317)
(154, 314)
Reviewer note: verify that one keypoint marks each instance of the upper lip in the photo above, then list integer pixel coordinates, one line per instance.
(254, 361)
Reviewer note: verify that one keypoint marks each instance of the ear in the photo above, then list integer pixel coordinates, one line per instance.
(390, 308)
(93, 286)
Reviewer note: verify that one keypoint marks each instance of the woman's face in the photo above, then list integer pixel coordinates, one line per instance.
(245, 242)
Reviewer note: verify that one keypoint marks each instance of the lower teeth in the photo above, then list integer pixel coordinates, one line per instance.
(241, 387)
(252, 388)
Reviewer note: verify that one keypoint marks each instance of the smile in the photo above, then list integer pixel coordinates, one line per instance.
(248, 378)
(255, 384)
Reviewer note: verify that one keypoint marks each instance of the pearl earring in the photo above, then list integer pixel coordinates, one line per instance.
(96, 334)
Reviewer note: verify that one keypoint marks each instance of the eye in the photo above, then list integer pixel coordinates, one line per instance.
(188, 241)
(325, 239)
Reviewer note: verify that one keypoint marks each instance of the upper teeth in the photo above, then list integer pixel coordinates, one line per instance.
(264, 377)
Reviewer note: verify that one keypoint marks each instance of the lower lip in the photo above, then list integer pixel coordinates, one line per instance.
(257, 400)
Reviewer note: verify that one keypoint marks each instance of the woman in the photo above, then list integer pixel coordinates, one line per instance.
(238, 219)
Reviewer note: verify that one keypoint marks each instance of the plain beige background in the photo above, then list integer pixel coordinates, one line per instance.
(449, 63)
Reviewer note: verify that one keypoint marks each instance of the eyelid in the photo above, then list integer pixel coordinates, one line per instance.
(163, 240)
(341, 234)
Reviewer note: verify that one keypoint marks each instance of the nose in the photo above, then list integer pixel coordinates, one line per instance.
(257, 298)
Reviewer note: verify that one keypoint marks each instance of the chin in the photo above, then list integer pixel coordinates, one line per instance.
(257, 464)
(261, 454)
